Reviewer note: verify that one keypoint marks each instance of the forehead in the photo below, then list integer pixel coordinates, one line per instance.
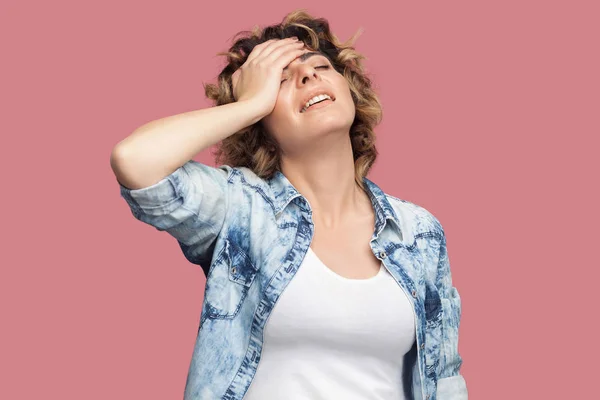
(306, 55)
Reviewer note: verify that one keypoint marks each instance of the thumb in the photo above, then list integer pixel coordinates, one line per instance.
(234, 79)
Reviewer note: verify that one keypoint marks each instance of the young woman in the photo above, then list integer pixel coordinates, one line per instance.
(319, 285)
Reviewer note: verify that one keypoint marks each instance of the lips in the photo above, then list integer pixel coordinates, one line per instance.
(320, 104)
(314, 93)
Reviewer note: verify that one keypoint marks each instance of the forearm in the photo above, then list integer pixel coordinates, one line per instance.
(159, 147)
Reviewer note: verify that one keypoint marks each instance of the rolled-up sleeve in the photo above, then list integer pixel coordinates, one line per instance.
(190, 204)
(451, 384)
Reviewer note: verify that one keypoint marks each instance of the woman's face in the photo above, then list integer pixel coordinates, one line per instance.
(290, 123)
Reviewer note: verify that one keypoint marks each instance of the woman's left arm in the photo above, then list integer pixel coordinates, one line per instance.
(451, 385)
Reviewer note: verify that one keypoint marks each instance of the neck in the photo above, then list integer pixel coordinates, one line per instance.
(324, 174)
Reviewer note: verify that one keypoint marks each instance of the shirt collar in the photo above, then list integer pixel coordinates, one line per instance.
(284, 193)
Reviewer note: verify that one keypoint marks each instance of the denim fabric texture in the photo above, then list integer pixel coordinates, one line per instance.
(250, 236)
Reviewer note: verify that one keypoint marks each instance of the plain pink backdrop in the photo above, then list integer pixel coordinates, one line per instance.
(491, 119)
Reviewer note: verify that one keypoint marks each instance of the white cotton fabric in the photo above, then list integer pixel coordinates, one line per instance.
(331, 337)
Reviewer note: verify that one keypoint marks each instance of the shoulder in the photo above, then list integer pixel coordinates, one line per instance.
(247, 186)
(239, 179)
(421, 219)
(248, 177)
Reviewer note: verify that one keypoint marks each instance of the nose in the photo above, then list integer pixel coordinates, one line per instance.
(307, 73)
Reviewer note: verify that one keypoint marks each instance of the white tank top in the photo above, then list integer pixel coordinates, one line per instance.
(331, 337)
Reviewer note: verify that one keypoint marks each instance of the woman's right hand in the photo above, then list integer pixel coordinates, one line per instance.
(258, 80)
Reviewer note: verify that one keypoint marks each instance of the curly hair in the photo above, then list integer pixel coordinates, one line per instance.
(253, 146)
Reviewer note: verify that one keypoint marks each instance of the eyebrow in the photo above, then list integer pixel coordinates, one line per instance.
(306, 56)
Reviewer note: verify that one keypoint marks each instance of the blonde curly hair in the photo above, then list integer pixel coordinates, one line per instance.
(253, 146)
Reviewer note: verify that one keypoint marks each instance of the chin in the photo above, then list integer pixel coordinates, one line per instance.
(332, 123)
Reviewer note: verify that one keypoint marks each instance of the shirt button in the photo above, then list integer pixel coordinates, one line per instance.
(382, 254)
(233, 270)
(414, 293)
(422, 345)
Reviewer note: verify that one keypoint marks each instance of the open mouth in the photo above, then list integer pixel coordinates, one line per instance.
(323, 101)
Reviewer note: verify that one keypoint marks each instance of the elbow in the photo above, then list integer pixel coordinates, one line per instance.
(120, 164)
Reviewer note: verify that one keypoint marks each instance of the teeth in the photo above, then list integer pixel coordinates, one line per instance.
(315, 100)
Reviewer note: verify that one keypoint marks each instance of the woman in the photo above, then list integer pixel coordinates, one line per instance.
(319, 285)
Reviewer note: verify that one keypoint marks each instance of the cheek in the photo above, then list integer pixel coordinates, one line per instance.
(281, 116)
(284, 107)
(344, 87)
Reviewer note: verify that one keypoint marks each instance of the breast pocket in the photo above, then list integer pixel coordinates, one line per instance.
(228, 281)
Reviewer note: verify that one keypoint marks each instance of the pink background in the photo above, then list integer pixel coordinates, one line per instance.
(491, 119)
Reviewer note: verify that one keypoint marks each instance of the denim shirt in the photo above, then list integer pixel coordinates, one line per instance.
(250, 235)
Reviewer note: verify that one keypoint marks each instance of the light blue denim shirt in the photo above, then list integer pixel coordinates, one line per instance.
(250, 235)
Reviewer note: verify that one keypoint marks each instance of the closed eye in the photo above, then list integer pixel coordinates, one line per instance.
(320, 66)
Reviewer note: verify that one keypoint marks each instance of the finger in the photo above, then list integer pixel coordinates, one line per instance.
(280, 47)
(284, 56)
(259, 48)
(274, 46)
